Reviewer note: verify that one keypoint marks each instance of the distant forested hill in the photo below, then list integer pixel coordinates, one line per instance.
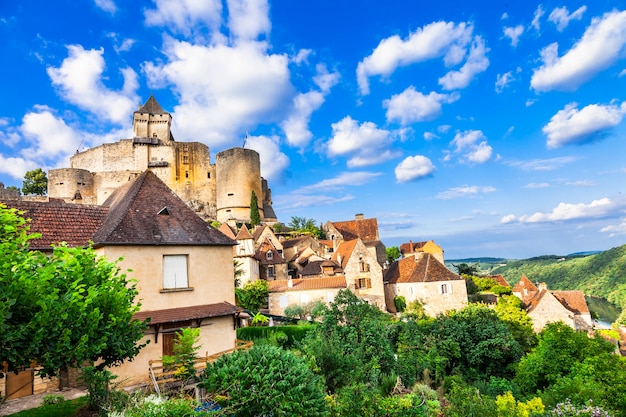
(601, 275)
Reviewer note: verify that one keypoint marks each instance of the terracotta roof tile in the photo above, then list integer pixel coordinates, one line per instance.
(525, 284)
(411, 247)
(58, 221)
(365, 229)
(338, 281)
(343, 252)
(244, 233)
(499, 278)
(574, 301)
(426, 268)
(171, 315)
(225, 228)
(257, 232)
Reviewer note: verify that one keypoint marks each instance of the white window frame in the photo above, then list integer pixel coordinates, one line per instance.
(175, 272)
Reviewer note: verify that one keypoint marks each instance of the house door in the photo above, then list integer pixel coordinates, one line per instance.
(170, 334)
(19, 385)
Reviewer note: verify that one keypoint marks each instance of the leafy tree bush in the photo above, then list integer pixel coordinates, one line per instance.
(501, 290)
(400, 303)
(305, 226)
(509, 309)
(154, 406)
(466, 401)
(351, 344)
(393, 253)
(507, 406)
(265, 380)
(295, 333)
(253, 295)
(35, 182)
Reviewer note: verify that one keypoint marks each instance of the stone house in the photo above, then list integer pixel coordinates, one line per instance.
(544, 306)
(420, 248)
(360, 227)
(426, 279)
(272, 264)
(363, 272)
(184, 267)
(303, 291)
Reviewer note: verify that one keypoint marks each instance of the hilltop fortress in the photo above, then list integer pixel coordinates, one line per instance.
(220, 191)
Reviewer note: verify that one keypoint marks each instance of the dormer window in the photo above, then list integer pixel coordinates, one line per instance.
(269, 255)
(164, 212)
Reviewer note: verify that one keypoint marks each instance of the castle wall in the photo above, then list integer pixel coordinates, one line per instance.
(72, 185)
(239, 173)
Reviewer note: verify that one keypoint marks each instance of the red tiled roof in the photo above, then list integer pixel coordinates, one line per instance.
(574, 301)
(343, 252)
(411, 247)
(525, 283)
(225, 228)
(58, 221)
(244, 233)
(365, 229)
(337, 281)
(499, 278)
(171, 315)
(425, 269)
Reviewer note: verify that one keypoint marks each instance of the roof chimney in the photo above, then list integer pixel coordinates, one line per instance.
(289, 283)
(359, 216)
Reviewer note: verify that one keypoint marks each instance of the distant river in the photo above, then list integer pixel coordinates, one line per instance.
(606, 311)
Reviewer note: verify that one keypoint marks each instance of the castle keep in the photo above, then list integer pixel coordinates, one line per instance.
(220, 191)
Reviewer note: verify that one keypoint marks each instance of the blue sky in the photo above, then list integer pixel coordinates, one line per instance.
(494, 128)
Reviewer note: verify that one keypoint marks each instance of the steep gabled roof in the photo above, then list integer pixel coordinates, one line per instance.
(427, 268)
(152, 106)
(289, 243)
(244, 233)
(315, 268)
(258, 232)
(574, 301)
(58, 221)
(365, 229)
(525, 284)
(225, 228)
(282, 285)
(499, 278)
(343, 252)
(146, 211)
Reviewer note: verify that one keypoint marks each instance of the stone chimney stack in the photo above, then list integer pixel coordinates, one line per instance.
(359, 216)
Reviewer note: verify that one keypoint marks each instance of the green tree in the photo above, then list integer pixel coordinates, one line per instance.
(185, 350)
(305, 226)
(65, 309)
(560, 348)
(351, 344)
(509, 310)
(466, 269)
(393, 253)
(15, 188)
(253, 295)
(255, 216)
(35, 182)
(265, 380)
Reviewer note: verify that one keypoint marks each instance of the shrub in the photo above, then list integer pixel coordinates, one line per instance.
(400, 303)
(52, 399)
(567, 409)
(294, 333)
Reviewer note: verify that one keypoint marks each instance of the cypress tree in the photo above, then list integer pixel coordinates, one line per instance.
(255, 217)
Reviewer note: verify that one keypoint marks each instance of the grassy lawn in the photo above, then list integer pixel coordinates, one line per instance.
(64, 409)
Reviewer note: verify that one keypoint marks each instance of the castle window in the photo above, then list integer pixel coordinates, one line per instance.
(208, 175)
(186, 174)
(154, 135)
(230, 194)
(185, 159)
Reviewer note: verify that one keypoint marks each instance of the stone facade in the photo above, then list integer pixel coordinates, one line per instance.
(184, 166)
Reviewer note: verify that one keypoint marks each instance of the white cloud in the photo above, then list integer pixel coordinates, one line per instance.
(248, 19)
(534, 185)
(342, 180)
(600, 47)
(413, 168)
(549, 164)
(79, 81)
(582, 183)
(296, 127)
(273, 161)
(430, 136)
(614, 230)
(502, 80)
(181, 16)
(514, 34)
(106, 5)
(224, 91)
(561, 17)
(465, 191)
(504, 16)
(539, 12)
(16, 167)
(566, 211)
(434, 40)
(530, 102)
(50, 135)
(302, 56)
(509, 218)
(412, 106)
(472, 147)
(366, 143)
(296, 201)
(571, 125)
(476, 63)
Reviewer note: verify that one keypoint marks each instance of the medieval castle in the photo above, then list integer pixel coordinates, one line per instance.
(220, 191)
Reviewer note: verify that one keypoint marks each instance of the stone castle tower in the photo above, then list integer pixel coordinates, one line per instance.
(185, 167)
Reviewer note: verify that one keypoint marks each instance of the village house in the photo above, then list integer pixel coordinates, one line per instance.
(183, 267)
(544, 306)
(303, 292)
(360, 227)
(420, 248)
(424, 278)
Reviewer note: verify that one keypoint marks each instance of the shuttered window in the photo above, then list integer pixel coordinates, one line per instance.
(175, 271)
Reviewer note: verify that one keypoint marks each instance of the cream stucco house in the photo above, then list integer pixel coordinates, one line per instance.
(184, 267)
